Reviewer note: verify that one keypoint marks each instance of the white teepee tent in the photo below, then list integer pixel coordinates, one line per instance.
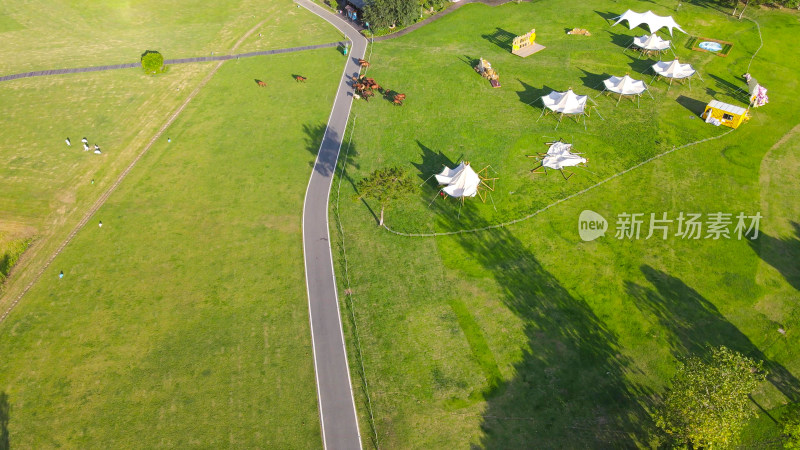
(459, 182)
(653, 21)
(626, 87)
(651, 44)
(565, 103)
(674, 70)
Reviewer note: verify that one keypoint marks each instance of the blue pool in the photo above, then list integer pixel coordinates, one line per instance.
(710, 46)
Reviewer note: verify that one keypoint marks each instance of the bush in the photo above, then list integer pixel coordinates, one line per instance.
(152, 62)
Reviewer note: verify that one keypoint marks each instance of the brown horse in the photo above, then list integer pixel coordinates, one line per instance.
(261, 83)
(363, 63)
(300, 78)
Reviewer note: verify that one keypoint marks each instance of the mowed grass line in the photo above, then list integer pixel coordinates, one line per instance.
(61, 34)
(183, 320)
(584, 334)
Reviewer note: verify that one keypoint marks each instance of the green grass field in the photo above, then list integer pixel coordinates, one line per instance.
(59, 34)
(183, 320)
(526, 336)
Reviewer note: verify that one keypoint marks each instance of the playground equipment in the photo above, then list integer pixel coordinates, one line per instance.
(558, 156)
(485, 69)
(758, 93)
(718, 113)
(525, 45)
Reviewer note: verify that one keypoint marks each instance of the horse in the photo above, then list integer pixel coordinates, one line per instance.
(261, 83)
(363, 63)
(300, 78)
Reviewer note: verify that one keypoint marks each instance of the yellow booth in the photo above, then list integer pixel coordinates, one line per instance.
(720, 113)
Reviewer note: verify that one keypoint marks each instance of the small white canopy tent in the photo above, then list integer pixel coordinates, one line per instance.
(653, 21)
(651, 44)
(558, 156)
(626, 87)
(674, 70)
(459, 182)
(565, 103)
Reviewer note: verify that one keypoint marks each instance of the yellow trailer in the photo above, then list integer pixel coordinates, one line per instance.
(725, 114)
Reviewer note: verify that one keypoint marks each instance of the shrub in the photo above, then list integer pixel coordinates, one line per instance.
(152, 62)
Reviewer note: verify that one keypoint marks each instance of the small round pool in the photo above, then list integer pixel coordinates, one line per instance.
(710, 46)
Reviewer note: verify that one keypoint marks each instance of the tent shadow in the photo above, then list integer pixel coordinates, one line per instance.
(781, 253)
(530, 95)
(695, 324)
(642, 66)
(693, 105)
(501, 38)
(608, 16)
(432, 163)
(621, 40)
(594, 80)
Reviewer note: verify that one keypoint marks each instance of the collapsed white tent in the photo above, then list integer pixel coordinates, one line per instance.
(626, 87)
(558, 156)
(673, 70)
(459, 182)
(653, 21)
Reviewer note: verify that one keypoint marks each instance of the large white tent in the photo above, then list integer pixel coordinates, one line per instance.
(651, 44)
(558, 156)
(673, 70)
(459, 182)
(653, 21)
(565, 103)
(626, 87)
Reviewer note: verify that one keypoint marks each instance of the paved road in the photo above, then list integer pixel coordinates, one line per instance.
(337, 408)
(42, 73)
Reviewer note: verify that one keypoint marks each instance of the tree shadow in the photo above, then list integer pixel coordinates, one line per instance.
(782, 254)
(5, 416)
(432, 163)
(529, 94)
(693, 105)
(694, 324)
(594, 80)
(501, 38)
(570, 387)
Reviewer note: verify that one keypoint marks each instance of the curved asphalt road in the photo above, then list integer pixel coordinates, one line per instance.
(337, 409)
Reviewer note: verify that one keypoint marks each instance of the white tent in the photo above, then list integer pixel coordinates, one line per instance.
(559, 155)
(459, 182)
(565, 103)
(626, 87)
(651, 44)
(673, 70)
(653, 21)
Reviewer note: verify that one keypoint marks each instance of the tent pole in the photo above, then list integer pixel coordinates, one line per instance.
(540, 115)
(618, 100)
(434, 198)
(601, 116)
(426, 180)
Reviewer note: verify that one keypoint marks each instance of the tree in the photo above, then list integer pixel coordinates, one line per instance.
(152, 62)
(790, 422)
(385, 185)
(708, 403)
(388, 13)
